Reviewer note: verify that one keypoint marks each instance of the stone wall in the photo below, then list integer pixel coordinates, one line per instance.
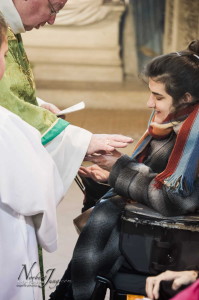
(181, 24)
(78, 53)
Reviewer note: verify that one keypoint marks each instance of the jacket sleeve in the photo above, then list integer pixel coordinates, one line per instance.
(137, 181)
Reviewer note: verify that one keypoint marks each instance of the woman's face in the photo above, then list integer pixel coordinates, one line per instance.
(3, 51)
(159, 100)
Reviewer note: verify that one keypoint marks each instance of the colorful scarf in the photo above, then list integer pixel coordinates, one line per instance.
(182, 166)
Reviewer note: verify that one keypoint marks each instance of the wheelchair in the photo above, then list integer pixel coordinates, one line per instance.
(150, 243)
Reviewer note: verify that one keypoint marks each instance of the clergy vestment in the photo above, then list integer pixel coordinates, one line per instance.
(30, 189)
(67, 144)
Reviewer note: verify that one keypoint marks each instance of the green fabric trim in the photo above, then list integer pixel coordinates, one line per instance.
(57, 128)
(41, 266)
(17, 89)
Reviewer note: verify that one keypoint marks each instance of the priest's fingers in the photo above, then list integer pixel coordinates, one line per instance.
(118, 143)
(51, 107)
(107, 143)
(120, 138)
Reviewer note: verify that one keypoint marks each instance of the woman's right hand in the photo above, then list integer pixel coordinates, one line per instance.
(179, 278)
(94, 172)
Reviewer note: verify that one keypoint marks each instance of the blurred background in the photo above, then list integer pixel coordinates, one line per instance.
(94, 53)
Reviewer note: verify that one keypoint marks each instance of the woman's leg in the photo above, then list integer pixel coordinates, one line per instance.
(93, 192)
(97, 249)
(64, 289)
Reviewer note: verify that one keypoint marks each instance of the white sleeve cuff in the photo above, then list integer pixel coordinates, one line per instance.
(68, 150)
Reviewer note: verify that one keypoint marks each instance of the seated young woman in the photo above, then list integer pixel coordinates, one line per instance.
(162, 173)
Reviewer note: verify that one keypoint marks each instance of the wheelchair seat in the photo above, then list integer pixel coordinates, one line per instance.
(151, 243)
(122, 287)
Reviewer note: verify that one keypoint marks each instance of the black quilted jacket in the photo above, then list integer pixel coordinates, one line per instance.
(136, 181)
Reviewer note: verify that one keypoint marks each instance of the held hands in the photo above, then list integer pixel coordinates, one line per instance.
(94, 172)
(179, 279)
(101, 143)
(101, 151)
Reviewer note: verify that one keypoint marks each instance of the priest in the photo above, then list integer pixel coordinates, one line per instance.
(66, 143)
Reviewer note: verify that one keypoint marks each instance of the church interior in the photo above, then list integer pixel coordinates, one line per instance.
(96, 56)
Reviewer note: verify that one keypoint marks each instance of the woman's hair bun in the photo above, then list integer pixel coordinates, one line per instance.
(194, 46)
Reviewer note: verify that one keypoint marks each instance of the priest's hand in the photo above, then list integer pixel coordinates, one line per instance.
(106, 143)
(51, 107)
(179, 278)
(94, 172)
(104, 161)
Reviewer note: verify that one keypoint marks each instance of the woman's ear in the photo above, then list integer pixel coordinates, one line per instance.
(187, 98)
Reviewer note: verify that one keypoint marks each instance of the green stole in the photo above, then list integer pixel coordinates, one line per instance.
(17, 92)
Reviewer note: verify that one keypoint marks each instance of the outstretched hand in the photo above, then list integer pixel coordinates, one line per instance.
(94, 172)
(179, 278)
(106, 143)
(104, 161)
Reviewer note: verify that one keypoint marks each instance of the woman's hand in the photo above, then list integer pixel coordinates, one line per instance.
(179, 279)
(94, 172)
(106, 143)
(104, 161)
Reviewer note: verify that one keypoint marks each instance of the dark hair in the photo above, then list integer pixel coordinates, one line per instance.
(3, 29)
(179, 71)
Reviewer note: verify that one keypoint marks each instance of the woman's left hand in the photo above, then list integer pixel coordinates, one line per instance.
(94, 172)
(104, 161)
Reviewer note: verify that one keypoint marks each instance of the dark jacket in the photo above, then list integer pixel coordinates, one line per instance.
(136, 181)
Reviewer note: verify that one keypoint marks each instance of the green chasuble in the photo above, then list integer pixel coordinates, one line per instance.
(17, 90)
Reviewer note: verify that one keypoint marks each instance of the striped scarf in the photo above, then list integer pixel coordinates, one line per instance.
(180, 172)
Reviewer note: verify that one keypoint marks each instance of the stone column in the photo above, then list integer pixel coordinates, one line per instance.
(181, 24)
(130, 59)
